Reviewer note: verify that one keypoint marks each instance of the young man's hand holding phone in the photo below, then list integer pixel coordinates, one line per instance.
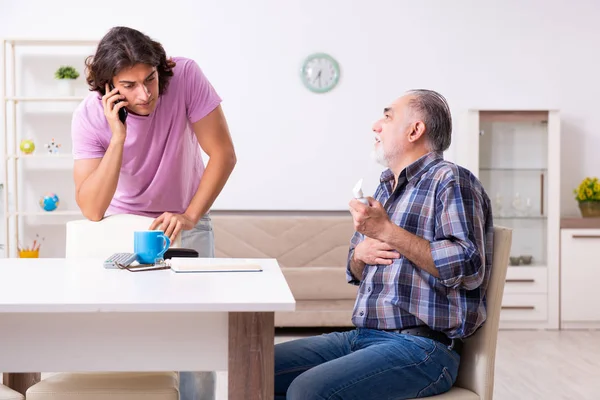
(115, 112)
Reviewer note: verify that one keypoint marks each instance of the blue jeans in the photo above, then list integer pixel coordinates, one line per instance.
(363, 364)
(198, 385)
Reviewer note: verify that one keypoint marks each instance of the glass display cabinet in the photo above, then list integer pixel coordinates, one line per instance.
(516, 155)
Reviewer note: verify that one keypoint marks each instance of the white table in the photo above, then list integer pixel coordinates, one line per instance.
(73, 315)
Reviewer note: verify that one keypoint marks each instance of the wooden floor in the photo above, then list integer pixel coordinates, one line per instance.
(548, 365)
(532, 365)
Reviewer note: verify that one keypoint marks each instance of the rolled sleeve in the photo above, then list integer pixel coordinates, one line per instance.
(350, 278)
(200, 96)
(85, 141)
(458, 248)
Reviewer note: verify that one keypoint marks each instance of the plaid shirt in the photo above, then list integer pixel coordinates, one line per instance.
(447, 205)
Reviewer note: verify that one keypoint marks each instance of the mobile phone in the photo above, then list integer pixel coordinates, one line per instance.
(122, 110)
(181, 252)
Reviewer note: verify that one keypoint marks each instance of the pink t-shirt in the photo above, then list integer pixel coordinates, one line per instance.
(162, 164)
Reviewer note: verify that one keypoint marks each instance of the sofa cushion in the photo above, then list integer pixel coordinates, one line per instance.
(319, 283)
(311, 313)
(319, 239)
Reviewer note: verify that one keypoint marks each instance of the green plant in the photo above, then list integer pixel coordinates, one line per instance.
(588, 190)
(66, 72)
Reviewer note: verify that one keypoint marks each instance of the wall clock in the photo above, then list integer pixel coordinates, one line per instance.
(320, 73)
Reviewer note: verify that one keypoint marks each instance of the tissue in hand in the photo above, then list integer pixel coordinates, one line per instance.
(358, 193)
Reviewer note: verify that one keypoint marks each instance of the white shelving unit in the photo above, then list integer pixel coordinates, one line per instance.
(38, 99)
(516, 155)
(13, 160)
(39, 156)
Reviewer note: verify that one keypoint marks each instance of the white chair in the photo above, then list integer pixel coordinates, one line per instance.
(100, 239)
(476, 372)
(113, 234)
(7, 393)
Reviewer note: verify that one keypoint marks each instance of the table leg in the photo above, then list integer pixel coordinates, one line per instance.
(251, 355)
(21, 381)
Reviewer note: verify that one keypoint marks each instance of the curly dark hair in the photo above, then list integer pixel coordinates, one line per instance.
(124, 47)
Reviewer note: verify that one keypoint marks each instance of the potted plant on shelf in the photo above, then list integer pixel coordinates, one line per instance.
(66, 75)
(588, 196)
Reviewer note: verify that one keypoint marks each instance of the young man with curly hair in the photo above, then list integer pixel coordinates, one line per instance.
(151, 163)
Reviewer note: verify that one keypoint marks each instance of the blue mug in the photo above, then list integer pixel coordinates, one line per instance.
(150, 246)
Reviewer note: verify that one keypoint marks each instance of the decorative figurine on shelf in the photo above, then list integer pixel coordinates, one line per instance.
(52, 147)
(49, 202)
(27, 146)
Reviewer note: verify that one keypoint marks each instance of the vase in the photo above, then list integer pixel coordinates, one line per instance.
(65, 87)
(590, 209)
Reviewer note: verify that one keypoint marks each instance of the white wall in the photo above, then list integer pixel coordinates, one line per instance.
(298, 150)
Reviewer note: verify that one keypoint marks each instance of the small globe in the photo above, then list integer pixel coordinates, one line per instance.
(27, 146)
(49, 202)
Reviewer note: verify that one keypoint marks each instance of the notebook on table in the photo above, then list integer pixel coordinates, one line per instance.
(186, 264)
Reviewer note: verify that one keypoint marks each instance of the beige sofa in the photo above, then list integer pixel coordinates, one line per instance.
(311, 248)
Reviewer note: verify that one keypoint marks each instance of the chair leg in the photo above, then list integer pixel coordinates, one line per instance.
(20, 382)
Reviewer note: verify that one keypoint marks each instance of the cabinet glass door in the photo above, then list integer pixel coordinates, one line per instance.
(513, 167)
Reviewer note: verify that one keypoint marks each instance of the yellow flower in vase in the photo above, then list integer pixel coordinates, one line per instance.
(588, 196)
